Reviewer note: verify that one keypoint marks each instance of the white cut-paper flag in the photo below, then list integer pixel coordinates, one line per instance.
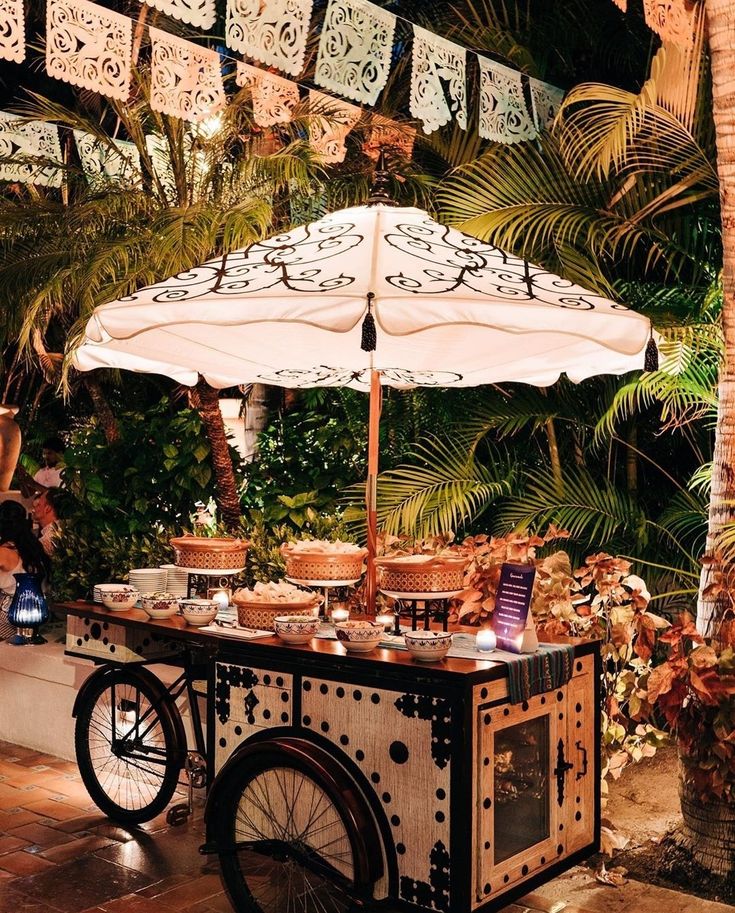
(273, 96)
(186, 79)
(504, 117)
(201, 13)
(434, 63)
(117, 162)
(89, 46)
(274, 32)
(355, 49)
(12, 30)
(330, 124)
(22, 140)
(546, 100)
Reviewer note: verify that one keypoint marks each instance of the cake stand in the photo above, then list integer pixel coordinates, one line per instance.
(434, 604)
(325, 586)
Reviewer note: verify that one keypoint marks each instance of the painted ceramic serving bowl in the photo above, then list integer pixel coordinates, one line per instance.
(199, 612)
(118, 597)
(428, 646)
(296, 629)
(160, 605)
(359, 636)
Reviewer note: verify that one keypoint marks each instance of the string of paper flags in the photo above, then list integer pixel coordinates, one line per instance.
(91, 47)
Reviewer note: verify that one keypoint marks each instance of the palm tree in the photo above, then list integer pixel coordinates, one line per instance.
(210, 191)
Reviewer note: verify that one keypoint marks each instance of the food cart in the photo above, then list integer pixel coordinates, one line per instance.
(339, 779)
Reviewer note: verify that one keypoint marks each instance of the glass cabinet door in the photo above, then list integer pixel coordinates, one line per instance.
(521, 765)
(519, 825)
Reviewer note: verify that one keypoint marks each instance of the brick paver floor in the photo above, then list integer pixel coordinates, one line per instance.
(59, 854)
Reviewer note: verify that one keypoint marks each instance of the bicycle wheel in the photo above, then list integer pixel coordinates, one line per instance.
(128, 747)
(284, 841)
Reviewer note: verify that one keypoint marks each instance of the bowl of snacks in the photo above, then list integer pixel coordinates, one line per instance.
(359, 636)
(199, 612)
(259, 607)
(159, 605)
(428, 646)
(118, 597)
(319, 559)
(296, 629)
(422, 573)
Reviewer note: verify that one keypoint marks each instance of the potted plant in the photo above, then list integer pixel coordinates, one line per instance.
(695, 691)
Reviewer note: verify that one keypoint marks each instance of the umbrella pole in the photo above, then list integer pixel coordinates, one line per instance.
(371, 490)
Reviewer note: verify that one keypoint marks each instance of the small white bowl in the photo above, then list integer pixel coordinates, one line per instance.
(159, 605)
(119, 598)
(428, 646)
(199, 612)
(296, 629)
(359, 636)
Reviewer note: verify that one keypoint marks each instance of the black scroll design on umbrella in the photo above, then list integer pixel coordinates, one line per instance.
(298, 261)
(448, 261)
(324, 376)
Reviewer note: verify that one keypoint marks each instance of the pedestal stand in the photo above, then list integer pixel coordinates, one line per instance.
(206, 579)
(325, 586)
(428, 605)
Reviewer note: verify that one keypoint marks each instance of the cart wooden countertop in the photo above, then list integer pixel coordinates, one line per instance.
(176, 628)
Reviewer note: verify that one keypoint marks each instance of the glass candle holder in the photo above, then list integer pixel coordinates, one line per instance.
(221, 597)
(386, 620)
(486, 641)
(340, 614)
(28, 610)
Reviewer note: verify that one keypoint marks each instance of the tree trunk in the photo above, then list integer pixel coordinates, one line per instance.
(102, 409)
(256, 419)
(708, 831)
(554, 454)
(205, 400)
(721, 28)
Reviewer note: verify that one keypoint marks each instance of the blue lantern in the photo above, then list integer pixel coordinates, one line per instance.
(28, 610)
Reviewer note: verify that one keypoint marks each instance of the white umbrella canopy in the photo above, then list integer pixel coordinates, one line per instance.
(449, 310)
(375, 294)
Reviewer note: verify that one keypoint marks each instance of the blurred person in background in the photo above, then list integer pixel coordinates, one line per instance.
(46, 516)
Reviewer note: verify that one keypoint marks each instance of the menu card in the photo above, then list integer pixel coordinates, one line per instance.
(512, 618)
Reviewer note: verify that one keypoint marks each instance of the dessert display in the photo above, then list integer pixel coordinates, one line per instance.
(258, 607)
(209, 553)
(320, 559)
(422, 573)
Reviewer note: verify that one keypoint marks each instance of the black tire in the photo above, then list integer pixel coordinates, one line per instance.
(133, 781)
(275, 818)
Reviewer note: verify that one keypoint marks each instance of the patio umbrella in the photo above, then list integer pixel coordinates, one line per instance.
(375, 294)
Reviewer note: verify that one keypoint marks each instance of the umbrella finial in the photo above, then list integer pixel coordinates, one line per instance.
(379, 192)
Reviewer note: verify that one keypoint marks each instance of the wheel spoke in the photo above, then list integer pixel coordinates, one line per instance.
(292, 850)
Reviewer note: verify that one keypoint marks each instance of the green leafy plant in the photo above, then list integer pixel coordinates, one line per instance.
(694, 688)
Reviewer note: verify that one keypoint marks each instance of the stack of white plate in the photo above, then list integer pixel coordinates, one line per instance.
(148, 579)
(177, 580)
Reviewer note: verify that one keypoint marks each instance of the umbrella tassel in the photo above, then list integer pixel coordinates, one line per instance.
(650, 359)
(369, 339)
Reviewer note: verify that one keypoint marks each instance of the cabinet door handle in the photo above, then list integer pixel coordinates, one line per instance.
(560, 771)
(583, 772)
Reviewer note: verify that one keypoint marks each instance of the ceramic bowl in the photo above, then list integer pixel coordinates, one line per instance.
(160, 605)
(428, 646)
(296, 629)
(118, 598)
(359, 636)
(199, 612)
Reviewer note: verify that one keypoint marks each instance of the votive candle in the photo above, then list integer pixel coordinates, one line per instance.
(340, 615)
(486, 640)
(221, 598)
(386, 620)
